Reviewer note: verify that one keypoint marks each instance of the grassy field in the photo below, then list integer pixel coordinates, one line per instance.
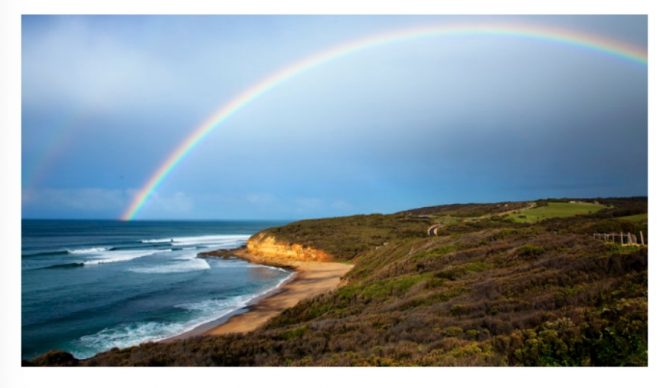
(555, 210)
(636, 218)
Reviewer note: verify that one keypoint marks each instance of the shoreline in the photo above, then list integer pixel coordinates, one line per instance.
(309, 279)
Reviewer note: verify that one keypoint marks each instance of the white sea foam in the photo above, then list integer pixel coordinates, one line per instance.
(271, 267)
(173, 266)
(184, 255)
(213, 309)
(222, 240)
(87, 251)
(156, 240)
(123, 336)
(209, 240)
(245, 264)
(219, 306)
(107, 257)
(126, 335)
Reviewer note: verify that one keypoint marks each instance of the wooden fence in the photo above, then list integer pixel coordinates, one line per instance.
(621, 238)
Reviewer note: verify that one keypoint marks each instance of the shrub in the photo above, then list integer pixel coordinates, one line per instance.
(530, 251)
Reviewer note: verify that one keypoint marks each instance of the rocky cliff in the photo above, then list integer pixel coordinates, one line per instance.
(266, 245)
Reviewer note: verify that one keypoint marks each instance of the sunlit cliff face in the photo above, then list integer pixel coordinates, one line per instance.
(266, 245)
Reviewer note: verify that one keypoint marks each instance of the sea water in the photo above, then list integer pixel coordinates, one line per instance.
(89, 286)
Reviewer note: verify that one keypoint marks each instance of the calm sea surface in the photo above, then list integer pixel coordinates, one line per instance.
(89, 286)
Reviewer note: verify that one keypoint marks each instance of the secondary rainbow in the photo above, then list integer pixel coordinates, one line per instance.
(576, 39)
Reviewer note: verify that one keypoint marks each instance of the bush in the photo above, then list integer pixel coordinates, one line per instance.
(530, 251)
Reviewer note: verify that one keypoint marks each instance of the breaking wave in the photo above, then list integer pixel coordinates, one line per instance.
(107, 257)
(130, 334)
(87, 251)
(175, 267)
(222, 240)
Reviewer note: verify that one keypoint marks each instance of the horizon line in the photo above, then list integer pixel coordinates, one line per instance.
(416, 207)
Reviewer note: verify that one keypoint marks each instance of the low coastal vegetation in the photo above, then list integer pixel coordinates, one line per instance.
(545, 210)
(492, 288)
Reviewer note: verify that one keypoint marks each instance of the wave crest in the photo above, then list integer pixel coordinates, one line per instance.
(87, 251)
(187, 265)
(107, 257)
(206, 241)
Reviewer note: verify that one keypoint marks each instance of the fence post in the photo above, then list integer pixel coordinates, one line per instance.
(641, 238)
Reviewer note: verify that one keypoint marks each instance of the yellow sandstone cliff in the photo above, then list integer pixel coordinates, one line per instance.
(267, 246)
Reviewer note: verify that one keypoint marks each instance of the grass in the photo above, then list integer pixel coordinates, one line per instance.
(448, 220)
(435, 252)
(624, 249)
(347, 237)
(384, 288)
(636, 218)
(555, 210)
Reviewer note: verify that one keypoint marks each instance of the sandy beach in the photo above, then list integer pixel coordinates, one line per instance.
(310, 279)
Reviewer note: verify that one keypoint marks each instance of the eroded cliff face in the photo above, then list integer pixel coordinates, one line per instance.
(267, 246)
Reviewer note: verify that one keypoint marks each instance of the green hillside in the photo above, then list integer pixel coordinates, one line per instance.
(488, 290)
(555, 209)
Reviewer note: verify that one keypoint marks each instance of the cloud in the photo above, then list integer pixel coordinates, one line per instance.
(261, 198)
(88, 202)
(175, 205)
(341, 205)
(92, 202)
(87, 199)
(92, 71)
(304, 205)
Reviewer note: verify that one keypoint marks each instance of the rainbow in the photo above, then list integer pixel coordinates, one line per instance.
(599, 44)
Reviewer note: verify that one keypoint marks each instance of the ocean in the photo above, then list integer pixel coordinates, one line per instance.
(89, 286)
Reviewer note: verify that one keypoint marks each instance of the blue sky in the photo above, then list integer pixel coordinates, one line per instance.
(417, 123)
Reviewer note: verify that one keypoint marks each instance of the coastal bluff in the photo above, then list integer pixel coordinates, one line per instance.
(266, 248)
(266, 245)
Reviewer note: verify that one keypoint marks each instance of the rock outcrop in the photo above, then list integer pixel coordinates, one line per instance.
(267, 246)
